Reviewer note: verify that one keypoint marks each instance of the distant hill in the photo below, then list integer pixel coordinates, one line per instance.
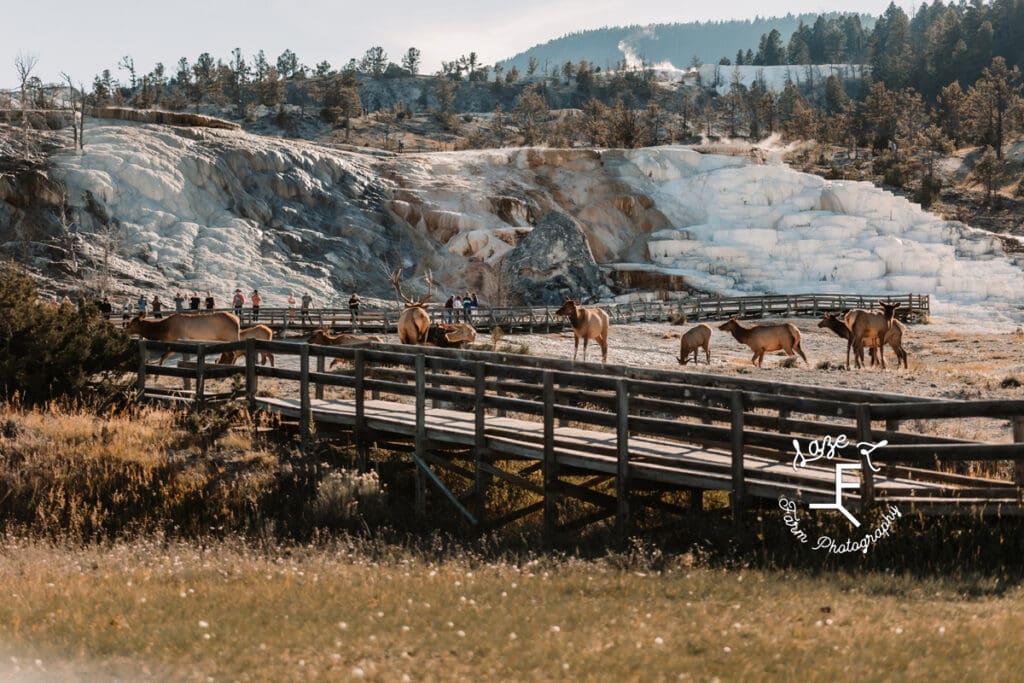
(675, 43)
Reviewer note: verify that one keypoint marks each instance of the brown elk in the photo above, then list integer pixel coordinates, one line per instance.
(413, 322)
(220, 326)
(325, 338)
(448, 335)
(866, 326)
(762, 338)
(692, 340)
(588, 323)
(894, 338)
(256, 332)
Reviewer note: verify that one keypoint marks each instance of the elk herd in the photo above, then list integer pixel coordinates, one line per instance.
(862, 329)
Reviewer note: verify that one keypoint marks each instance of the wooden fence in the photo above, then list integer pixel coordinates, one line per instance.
(543, 318)
(639, 431)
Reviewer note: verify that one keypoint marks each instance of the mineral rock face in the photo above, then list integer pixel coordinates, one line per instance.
(553, 262)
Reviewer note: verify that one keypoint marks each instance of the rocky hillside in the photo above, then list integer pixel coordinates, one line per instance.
(161, 208)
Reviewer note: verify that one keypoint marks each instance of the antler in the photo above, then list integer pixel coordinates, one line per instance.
(396, 281)
(428, 277)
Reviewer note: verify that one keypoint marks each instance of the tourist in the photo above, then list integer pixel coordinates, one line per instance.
(209, 301)
(157, 306)
(467, 307)
(141, 305)
(256, 300)
(306, 301)
(449, 308)
(179, 302)
(291, 308)
(126, 312)
(353, 307)
(193, 302)
(237, 302)
(106, 308)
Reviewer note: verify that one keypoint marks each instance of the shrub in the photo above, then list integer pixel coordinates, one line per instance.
(345, 497)
(50, 351)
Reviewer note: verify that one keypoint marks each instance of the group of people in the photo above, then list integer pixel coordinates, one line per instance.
(156, 307)
(466, 303)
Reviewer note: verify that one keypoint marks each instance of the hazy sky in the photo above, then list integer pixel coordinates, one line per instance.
(82, 38)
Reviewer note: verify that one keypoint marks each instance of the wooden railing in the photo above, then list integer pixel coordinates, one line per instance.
(541, 318)
(741, 416)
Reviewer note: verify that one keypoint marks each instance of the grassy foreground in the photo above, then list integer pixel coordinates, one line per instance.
(228, 612)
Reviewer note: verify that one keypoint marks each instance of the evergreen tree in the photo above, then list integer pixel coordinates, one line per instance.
(411, 60)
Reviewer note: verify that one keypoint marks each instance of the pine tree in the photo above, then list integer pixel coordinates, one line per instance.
(411, 60)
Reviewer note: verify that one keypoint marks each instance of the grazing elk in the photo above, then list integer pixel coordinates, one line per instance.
(762, 338)
(588, 323)
(866, 326)
(218, 326)
(413, 322)
(695, 338)
(255, 332)
(894, 338)
(322, 337)
(451, 335)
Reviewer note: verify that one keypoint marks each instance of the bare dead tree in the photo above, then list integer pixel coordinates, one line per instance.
(24, 64)
(71, 96)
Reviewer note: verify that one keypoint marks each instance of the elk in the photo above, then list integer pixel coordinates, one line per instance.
(219, 326)
(865, 326)
(325, 338)
(451, 334)
(762, 338)
(588, 323)
(413, 322)
(256, 332)
(894, 337)
(693, 339)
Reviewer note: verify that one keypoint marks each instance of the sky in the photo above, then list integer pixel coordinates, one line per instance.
(82, 38)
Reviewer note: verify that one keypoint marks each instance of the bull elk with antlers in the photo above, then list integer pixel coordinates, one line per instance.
(413, 322)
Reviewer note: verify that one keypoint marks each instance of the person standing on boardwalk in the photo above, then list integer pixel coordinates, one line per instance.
(209, 301)
(256, 300)
(449, 307)
(467, 308)
(237, 302)
(193, 302)
(157, 306)
(291, 307)
(353, 308)
(126, 312)
(179, 302)
(141, 304)
(105, 308)
(306, 301)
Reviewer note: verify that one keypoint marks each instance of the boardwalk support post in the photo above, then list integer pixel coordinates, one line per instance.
(550, 474)
(143, 356)
(622, 471)
(250, 373)
(867, 494)
(421, 434)
(305, 409)
(738, 484)
(480, 478)
(200, 376)
(320, 369)
(1018, 465)
(359, 429)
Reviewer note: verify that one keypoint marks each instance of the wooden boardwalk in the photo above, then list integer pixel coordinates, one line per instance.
(292, 323)
(652, 460)
(615, 437)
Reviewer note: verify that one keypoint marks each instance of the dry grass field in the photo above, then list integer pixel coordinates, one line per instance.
(170, 611)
